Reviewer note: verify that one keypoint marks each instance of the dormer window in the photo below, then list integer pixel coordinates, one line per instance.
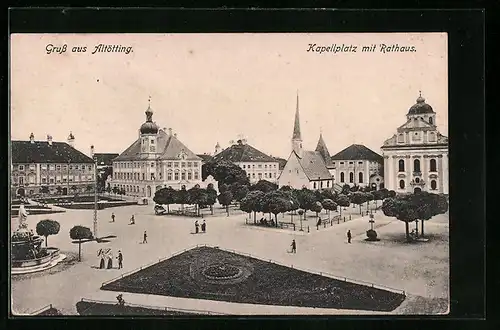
(431, 121)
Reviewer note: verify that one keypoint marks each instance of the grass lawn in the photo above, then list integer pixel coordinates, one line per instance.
(109, 309)
(208, 273)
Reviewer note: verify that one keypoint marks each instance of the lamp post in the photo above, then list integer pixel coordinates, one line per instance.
(95, 196)
(67, 179)
(371, 221)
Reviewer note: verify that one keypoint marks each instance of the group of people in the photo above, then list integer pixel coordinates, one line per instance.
(294, 244)
(203, 227)
(107, 254)
(264, 222)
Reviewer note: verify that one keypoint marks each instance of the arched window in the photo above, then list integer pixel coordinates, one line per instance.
(431, 121)
(401, 165)
(314, 185)
(351, 177)
(402, 184)
(433, 165)
(416, 165)
(360, 177)
(433, 184)
(342, 177)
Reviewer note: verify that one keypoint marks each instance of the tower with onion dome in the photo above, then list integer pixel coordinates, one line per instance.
(148, 135)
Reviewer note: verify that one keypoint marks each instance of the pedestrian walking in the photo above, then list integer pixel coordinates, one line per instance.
(132, 220)
(113, 217)
(294, 247)
(145, 239)
(196, 227)
(349, 236)
(120, 259)
(204, 226)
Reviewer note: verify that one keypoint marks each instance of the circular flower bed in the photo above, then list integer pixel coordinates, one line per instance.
(221, 271)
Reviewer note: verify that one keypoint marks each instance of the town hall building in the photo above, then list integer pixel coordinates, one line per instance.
(416, 157)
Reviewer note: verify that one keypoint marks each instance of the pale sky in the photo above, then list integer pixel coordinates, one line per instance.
(210, 88)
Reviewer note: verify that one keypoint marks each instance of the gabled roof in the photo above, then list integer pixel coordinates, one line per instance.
(323, 150)
(105, 158)
(358, 152)
(243, 153)
(313, 165)
(281, 162)
(415, 123)
(42, 152)
(168, 148)
(204, 157)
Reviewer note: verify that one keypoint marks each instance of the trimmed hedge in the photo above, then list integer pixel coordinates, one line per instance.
(33, 212)
(91, 308)
(90, 206)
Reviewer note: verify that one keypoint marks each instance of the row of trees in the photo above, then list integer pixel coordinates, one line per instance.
(195, 196)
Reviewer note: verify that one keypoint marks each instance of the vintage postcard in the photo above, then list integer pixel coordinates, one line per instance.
(229, 174)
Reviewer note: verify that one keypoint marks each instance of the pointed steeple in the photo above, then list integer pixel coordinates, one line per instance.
(296, 125)
(323, 150)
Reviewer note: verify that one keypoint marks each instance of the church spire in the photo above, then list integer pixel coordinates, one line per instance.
(323, 150)
(296, 126)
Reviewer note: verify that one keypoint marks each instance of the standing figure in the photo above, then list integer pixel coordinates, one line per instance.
(204, 226)
(196, 226)
(145, 239)
(113, 217)
(120, 259)
(294, 247)
(100, 254)
(349, 236)
(132, 220)
(110, 260)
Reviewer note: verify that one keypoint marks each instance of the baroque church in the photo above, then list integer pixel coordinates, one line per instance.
(416, 157)
(305, 168)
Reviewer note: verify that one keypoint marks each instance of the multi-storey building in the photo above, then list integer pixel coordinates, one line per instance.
(256, 164)
(416, 157)
(50, 167)
(358, 165)
(157, 159)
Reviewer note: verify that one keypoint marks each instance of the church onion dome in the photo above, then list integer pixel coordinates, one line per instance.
(420, 107)
(149, 127)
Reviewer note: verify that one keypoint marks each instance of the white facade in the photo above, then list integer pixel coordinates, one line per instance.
(358, 172)
(257, 171)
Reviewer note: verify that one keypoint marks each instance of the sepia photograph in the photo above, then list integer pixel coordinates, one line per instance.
(192, 174)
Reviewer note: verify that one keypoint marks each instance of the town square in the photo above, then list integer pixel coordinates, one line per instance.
(282, 196)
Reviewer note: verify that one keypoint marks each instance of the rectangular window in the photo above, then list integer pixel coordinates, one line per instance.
(260, 165)
(152, 141)
(341, 163)
(195, 164)
(152, 149)
(183, 164)
(65, 167)
(169, 176)
(21, 167)
(350, 163)
(58, 178)
(152, 176)
(253, 175)
(360, 163)
(176, 176)
(260, 176)
(64, 180)
(265, 175)
(52, 167)
(143, 176)
(152, 164)
(44, 166)
(70, 167)
(169, 164)
(265, 166)
(32, 167)
(176, 164)
(32, 179)
(70, 178)
(243, 165)
(51, 180)
(196, 177)
(90, 167)
(190, 164)
(21, 180)
(189, 175)
(275, 175)
(183, 176)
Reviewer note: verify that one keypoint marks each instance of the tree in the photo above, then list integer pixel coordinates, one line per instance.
(354, 188)
(73, 189)
(81, 234)
(329, 205)
(225, 199)
(197, 196)
(89, 188)
(264, 186)
(59, 190)
(391, 194)
(108, 189)
(251, 203)
(358, 198)
(300, 212)
(384, 192)
(285, 188)
(223, 187)
(316, 207)
(306, 198)
(343, 201)
(181, 197)
(328, 194)
(346, 189)
(211, 197)
(47, 227)
(408, 208)
(44, 190)
(224, 172)
(369, 197)
(275, 202)
(378, 195)
(239, 191)
(165, 196)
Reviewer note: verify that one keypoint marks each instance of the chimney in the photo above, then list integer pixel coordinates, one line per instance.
(91, 151)
(170, 131)
(49, 139)
(32, 138)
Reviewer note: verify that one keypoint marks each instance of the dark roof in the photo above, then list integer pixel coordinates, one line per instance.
(358, 152)
(169, 147)
(243, 153)
(42, 152)
(204, 157)
(314, 166)
(296, 124)
(105, 158)
(281, 162)
(323, 150)
(420, 107)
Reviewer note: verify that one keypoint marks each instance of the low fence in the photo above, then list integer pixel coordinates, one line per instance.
(336, 277)
(281, 225)
(166, 308)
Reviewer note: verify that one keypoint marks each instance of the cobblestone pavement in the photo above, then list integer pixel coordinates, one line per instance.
(420, 269)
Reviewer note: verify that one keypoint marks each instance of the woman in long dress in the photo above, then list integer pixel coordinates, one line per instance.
(110, 260)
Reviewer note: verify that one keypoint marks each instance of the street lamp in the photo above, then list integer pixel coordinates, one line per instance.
(371, 221)
(67, 179)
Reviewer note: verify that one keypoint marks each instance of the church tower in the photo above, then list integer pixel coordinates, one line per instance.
(149, 131)
(296, 137)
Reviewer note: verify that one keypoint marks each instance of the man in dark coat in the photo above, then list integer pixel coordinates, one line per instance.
(204, 226)
(294, 247)
(196, 226)
(145, 240)
(349, 236)
(120, 259)
(113, 217)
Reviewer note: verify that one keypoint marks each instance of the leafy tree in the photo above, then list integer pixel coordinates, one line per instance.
(328, 194)
(384, 192)
(378, 195)
(59, 190)
(285, 188)
(354, 188)
(225, 199)
(275, 202)
(391, 194)
(165, 196)
(47, 227)
(264, 186)
(211, 197)
(181, 197)
(369, 197)
(223, 187)
(346, 189)
(329, 205)
(197, 196)
(358, 198)
(343, 201)
(108, 189)
(224, 172)
(80, 234)
(239, 191)
(44, 190)
(316, 207)
(306, 198)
